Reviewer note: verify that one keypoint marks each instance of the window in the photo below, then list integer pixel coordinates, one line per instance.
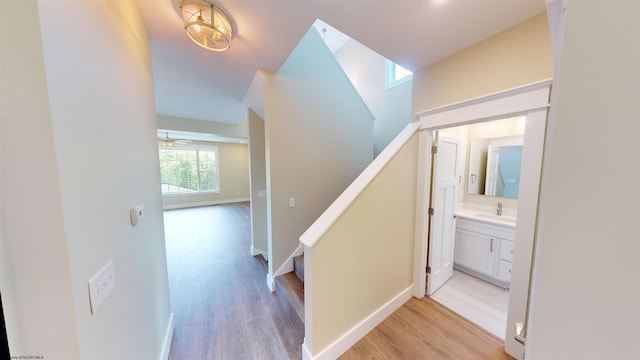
(189, 170)
(396, 73)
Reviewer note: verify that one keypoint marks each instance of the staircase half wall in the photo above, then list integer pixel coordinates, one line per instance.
(359, 253)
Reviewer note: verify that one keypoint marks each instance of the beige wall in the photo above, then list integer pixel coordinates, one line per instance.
(259, 238)
(319, 137)
(66, 213)
(586, 295)
(517, 56)
(366, 258)
(234, 179)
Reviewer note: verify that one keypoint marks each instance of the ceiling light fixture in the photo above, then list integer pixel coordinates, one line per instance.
(206, 24)
(166, 141)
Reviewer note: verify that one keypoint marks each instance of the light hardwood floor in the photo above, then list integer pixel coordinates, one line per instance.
(224, 310)
(222, 306)
(479, 301)
(424, 329)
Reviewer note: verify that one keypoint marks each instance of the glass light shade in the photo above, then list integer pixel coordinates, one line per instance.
(206, 25)
(166, 143)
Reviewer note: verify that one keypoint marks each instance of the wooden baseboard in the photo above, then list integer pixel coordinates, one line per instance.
(168, 337)
(346, 341)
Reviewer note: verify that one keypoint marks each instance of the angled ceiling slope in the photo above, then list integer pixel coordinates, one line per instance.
(195, 83)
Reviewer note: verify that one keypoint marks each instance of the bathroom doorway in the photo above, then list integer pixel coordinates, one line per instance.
(485, 172)
(532, 102)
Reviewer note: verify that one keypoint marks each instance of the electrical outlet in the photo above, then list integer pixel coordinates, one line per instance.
(292, 202)
(100, 286)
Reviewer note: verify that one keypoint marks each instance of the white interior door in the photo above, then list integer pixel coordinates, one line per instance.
(443, 201)
(493, 159)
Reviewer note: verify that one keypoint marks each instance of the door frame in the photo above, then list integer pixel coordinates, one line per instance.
(531, 100)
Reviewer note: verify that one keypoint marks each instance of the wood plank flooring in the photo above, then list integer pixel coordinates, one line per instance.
(424, 329)
(481, 302)
(222, 306)
(224, 310)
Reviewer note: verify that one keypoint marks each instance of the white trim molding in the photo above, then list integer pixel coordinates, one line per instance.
(287, 267)
(168, 337)
(351, 337)
(253, 251)
(512, 102)
(203, 203)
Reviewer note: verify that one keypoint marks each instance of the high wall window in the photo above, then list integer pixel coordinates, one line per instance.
(189, 169)
(396, 74)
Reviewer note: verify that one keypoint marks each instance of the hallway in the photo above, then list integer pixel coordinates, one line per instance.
(221, 303)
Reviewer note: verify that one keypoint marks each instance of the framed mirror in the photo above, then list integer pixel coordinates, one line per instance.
(494, 166)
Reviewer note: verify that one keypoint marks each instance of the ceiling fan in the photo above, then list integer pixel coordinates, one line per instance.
(166, 141)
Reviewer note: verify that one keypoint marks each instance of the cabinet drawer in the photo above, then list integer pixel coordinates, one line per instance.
(504, 270)
(506, 250)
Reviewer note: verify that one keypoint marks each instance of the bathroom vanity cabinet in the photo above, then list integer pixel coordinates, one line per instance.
(484, 249)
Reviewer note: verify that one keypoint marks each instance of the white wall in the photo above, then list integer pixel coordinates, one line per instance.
(391, 107)
(319, 137)
(259, 229)
(34, 263)
(586, 295)
(96, 148)
(240, 130)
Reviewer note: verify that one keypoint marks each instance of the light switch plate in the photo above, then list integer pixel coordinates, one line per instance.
(138, 213)
(292, 202)
(100, 286)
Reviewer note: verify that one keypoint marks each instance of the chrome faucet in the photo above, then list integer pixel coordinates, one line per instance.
(499, 209)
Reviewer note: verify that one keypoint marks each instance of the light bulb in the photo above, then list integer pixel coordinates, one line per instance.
(198, 22)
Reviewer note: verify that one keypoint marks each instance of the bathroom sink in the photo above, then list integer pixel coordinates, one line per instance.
(507, 219)
(487, 217)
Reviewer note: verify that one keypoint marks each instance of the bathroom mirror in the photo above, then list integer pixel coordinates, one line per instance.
(494, 166)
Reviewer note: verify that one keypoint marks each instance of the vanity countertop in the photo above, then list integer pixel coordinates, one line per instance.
(486, 217)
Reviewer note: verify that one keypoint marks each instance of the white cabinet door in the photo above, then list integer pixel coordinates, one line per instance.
(476, 251)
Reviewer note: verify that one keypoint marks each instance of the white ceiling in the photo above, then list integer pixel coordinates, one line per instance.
(195, 83)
